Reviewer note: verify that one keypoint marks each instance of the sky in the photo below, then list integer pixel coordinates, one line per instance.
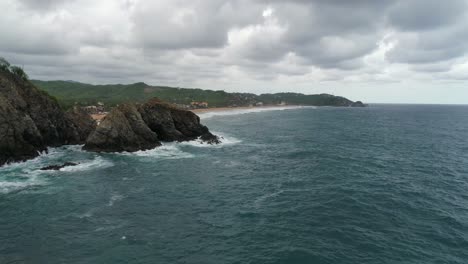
(377, 51)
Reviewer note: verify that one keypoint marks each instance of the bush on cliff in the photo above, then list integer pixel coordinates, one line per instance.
(17, 71)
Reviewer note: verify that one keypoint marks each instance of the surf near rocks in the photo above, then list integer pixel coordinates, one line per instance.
(131, 127)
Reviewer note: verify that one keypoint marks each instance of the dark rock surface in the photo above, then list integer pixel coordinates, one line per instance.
(358, 104)
(31, 121)
(132, 127)
(123, 129)
(58, 167)
(81, 125)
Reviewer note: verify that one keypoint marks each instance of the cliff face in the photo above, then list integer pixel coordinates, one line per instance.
(131, 127)
(80, 125)
(123, 129)
(31, 120)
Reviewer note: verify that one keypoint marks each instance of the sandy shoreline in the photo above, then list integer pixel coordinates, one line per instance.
(226, 109)
(99, 117)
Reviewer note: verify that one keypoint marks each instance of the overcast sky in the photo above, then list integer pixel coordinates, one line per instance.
(372, 50)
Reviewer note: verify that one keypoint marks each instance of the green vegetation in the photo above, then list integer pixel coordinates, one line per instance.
(17, 71)
(69, 93)
(4, 64)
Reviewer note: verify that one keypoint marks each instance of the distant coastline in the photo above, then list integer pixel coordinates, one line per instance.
(202, 111)
(226, 109)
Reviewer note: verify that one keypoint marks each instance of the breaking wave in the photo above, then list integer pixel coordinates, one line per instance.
(240, 111)
(97, 163)
(224, 138)
(23, 175)
(166, 151)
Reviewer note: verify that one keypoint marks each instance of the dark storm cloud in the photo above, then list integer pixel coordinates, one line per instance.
(414, 15)
(179, 24)
(199, 40)
(43, 5)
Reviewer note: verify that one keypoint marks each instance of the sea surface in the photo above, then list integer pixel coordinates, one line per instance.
(383, 184)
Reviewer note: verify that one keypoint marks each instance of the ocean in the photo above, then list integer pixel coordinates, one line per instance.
(383, 184)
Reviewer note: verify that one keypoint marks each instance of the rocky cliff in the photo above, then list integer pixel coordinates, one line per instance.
(31, 120)
(131, 127)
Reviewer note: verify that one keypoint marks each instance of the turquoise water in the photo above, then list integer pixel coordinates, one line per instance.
(384, 184)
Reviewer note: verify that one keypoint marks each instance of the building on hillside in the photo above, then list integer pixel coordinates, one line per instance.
(91, 109)
(199, 104)
(95, 109)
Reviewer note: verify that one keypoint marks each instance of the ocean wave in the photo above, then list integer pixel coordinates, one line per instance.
(166, 151)
(16, 176)
(224, 138)
(264, 197)
(241, 111)
(12, 186)
(23, 175)
(114, 198)
(97, 163)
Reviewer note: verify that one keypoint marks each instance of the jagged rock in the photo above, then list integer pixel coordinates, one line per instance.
(123, 129)
(58, 167)
(31, 121)
(20, 138)
(132, 128)
(158, 118)
(81, 125)
(173, 124)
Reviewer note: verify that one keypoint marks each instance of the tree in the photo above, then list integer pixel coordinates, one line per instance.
(18, 71)
(4, 64)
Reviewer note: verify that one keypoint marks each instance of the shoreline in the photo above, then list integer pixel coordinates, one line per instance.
(228, 109)
(98, 117)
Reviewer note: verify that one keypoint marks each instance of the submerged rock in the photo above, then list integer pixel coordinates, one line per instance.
(58, 167)
(131, 127)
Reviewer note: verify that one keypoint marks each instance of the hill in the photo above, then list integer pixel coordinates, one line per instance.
(69, 93)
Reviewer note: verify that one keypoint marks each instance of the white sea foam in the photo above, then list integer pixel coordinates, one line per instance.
(114, 198)
(224, 138)
(241, 111)
(166, 151)
(22, 175)
(11, 186)
(97, 163)
(264, 197)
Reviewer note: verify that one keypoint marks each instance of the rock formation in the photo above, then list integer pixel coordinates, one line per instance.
(123, 129)
(131, 127)
(31, 120)
(81, 125)
(59, 167)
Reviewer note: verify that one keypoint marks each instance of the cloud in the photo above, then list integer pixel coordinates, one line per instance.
(176, 24)
(43, 5)
(414, 15)
(237, 43)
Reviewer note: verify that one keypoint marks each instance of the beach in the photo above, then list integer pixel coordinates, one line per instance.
(214, 110)
(226, 109)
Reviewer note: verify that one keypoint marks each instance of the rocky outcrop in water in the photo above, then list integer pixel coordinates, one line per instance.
(123, 129)
(131, 127)
(59, 167)
(31, 121)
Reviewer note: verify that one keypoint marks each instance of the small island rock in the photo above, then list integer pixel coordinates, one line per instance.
(58, 167)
